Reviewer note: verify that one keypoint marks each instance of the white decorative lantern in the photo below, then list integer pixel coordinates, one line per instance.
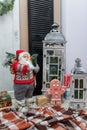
(78, 87)
(53, 57)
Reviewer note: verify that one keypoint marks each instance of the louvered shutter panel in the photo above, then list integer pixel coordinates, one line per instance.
(40, 14)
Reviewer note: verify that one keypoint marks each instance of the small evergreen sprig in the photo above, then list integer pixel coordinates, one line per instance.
(5, 6)
(34, 59)
(9, 57)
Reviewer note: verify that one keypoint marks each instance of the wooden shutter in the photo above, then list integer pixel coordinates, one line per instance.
(40, 18)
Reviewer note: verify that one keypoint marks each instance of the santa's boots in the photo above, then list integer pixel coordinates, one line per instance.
(20, 105)
(30, 102)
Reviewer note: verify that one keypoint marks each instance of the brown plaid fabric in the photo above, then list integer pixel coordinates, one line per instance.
(45, 118)
(10, 121)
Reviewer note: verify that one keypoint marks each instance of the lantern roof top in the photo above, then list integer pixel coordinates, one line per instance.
(55, 35)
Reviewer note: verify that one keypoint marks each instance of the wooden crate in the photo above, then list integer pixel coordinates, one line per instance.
(42, 100)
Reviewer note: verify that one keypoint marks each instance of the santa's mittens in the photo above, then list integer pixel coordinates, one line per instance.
(25, 69)
(36, 68)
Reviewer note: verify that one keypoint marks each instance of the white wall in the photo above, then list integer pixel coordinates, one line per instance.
(9, 42)
(74, 28)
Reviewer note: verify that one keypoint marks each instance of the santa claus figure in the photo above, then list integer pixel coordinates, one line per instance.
(24, 81)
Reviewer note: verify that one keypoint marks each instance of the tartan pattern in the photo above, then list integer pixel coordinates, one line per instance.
(45, 118)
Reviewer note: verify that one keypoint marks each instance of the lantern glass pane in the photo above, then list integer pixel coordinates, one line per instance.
(81, 94)
(53, 69)
(76, 94)
(53, 59)
(52, 77)
(60, 64)
(47, 79)
(50, 52)
(47, 60)
(81, 83)
(76, 83)
(47, 85)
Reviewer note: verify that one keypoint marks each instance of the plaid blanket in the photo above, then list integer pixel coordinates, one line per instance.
(45, 118)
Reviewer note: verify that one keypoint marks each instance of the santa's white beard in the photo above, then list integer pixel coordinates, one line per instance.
(26, 62)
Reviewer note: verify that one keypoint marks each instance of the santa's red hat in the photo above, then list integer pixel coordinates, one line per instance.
(20, 53)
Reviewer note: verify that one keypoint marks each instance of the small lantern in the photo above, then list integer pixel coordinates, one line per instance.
(53, 57)
(78, 86)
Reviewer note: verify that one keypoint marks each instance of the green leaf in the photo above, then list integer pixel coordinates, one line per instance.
(34, 59)
(6, 6)
(9, 57)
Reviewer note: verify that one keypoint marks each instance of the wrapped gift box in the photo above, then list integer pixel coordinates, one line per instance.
(5, 99)
(42, 100)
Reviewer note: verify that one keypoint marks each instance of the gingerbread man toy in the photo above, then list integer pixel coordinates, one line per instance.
(56, 90)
